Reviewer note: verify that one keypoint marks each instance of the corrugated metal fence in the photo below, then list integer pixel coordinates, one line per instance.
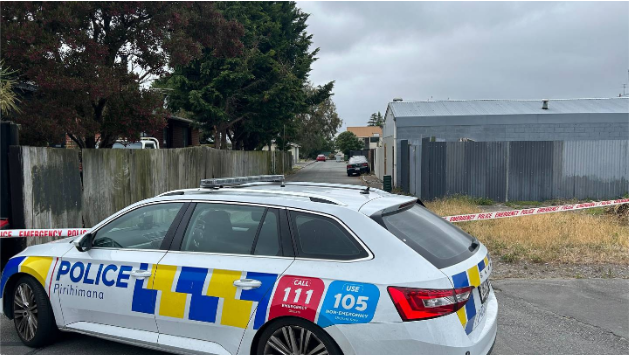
(518, 171)
(50, 192)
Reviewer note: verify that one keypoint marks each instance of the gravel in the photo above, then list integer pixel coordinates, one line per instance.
(525, 270)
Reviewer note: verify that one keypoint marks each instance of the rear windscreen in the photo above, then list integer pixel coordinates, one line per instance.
(436, 240)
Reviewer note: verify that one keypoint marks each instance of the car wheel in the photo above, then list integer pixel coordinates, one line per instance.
(296, 336)
(32, 315)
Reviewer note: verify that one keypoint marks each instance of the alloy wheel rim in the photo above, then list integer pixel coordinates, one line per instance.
(294, 340)
(25, 311)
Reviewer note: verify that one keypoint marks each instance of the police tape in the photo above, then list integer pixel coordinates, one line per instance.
(532, 211)
(22, 233)
(73, 232)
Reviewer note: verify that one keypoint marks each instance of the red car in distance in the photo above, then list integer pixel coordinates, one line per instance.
(321, 157)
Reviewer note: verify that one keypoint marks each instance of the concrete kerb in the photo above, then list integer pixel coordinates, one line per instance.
(298, 167)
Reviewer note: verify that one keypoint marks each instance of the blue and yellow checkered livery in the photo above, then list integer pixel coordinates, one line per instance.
(473, 277)
(36, 266)
(175, 284)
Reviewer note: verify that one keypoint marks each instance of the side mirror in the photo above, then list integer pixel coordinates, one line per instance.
(83, 243)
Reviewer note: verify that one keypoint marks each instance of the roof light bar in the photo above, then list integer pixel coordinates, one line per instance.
(234, 181)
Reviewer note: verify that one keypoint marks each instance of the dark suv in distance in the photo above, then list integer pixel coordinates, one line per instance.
(357, 165)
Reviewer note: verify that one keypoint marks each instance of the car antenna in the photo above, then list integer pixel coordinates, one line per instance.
(365, 191)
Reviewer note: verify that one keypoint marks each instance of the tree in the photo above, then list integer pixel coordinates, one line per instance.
(8, 97)
(89, 61)
(376, 120)
(252, 98)
(347, 141)
(315, 130)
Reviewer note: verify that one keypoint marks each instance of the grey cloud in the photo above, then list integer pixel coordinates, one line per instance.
(376, 51)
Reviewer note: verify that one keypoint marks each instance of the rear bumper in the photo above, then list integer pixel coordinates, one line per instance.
(440, 336)
(358, 171)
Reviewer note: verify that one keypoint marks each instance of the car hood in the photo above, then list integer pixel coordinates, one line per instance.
(56, 248)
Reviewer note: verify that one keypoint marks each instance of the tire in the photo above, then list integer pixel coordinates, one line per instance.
(305, 333)
(32, 315)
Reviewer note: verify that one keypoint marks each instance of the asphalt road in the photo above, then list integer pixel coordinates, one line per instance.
(551, 316)
(557, 316)
(330, 171)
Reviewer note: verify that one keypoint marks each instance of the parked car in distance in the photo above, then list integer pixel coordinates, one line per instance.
(321, 157)
(357, 165)
(144, 143)
(260, 266)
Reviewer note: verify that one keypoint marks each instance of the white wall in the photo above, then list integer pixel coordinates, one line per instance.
(388, 147)
(388, 129)
(379, 162)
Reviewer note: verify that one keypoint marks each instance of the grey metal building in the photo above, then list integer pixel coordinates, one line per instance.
(496, 121)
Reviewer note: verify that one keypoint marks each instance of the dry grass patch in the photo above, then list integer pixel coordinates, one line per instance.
(567, 237)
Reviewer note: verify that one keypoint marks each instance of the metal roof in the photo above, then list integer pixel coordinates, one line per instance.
(177, 118)
(364, 132)
(507, 107)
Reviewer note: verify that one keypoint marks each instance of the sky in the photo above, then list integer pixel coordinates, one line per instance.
(377, 51)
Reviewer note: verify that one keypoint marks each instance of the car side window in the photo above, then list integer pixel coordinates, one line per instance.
(267, 242)
(232, 229)
(320, 237)
(141, 228)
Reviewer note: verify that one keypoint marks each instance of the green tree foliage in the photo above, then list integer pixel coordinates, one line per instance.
(251, 99)
(347, 141)
(88, 62)
(376, 120)
(8, 97)
(315, 129)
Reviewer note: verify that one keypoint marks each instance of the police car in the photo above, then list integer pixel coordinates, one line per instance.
(258, 266)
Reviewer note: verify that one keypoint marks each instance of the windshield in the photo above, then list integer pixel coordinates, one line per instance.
(357, 159)
(438, 241)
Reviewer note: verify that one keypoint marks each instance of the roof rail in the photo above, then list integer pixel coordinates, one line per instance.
(311, 197)
(234, 181)
(200, 191)
(333, 186)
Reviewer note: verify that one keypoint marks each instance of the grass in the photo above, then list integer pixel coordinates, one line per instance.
(579, 237)
(524, 204)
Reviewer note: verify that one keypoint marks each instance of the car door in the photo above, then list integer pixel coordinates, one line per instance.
(218, 279)
(107, 289)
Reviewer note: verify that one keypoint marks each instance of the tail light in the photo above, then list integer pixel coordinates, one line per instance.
(417, 304)
(349, 166)
(365, 164)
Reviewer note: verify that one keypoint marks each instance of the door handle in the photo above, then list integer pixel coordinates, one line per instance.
(140, 274)
(247, 284)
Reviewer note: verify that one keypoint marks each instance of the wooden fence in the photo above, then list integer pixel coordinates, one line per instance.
(52, 194)
(45, 189)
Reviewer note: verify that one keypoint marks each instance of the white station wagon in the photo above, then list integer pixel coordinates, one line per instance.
(258, 266)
